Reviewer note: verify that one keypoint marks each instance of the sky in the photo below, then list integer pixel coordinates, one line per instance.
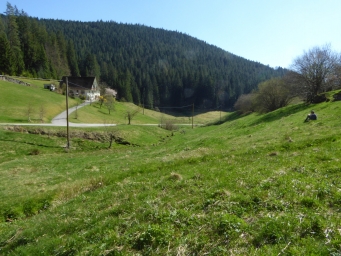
(272, 32)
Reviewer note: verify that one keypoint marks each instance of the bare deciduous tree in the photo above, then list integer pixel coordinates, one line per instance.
(76, 111)
(271, 95)
(111, 132)
(245, 104)
(109, 102)
(29, 112)
(42, 113)
(314, 72)
(130, 114)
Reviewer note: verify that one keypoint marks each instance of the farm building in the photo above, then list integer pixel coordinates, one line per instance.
(85, 86)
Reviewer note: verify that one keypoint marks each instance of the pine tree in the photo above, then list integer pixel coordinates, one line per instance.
(127, 86)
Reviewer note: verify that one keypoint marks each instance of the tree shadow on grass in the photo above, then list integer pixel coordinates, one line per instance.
(233, 116)
(29, 143)
(282, 112)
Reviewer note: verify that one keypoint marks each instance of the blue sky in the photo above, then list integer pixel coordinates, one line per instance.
(272, 32)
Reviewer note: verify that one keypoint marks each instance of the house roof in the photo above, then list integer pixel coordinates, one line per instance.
(80, 82)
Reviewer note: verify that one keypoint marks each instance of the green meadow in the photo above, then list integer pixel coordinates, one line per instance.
(15, 100)
(259, 184)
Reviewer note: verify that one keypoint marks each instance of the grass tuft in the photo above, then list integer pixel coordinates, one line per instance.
(175, 176)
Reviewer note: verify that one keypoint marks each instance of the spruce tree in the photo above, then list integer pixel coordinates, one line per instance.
(14, 42)
(72, 59)
(5, 56)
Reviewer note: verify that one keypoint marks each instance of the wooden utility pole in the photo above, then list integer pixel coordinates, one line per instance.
(67, 114)
(220, 113)
(192, 115)
(143, 100)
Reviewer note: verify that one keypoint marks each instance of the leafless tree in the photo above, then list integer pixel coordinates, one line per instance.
(42, 113)
(130, 114)
(245, 103)
(109, 102)
(110, 131)
(76, 112)
(29, 112)
(271, 95)
(314, 72)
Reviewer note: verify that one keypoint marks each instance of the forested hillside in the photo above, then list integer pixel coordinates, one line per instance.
(154, 67)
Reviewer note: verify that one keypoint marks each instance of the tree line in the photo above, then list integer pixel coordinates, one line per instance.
(27, 49)
(315, 72)
(148, 66)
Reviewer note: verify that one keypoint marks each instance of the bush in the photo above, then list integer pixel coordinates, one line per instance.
(169, 125)
(271, 95)
(245, 104)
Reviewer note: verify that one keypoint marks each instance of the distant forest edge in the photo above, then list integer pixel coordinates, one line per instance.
(154, 67)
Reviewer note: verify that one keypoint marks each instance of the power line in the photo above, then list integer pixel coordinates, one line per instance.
(177, 107)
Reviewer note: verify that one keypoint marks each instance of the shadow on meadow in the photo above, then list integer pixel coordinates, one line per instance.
(268, 117)
(29, 143)
(283, 112)
(233, 116)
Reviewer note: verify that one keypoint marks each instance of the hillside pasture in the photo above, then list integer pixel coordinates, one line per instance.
(95, 113)
(260, 184)
(16, 100)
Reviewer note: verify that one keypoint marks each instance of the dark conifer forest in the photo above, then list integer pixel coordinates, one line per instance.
(154, 67)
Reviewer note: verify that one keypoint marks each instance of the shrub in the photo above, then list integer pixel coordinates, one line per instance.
(271, 95)
(169, 125)
(245, 104)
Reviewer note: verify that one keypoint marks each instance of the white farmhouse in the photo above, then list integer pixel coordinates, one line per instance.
(85, 86)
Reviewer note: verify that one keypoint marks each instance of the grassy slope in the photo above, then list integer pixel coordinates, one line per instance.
(15, 100)
(260, 184)
(97, 114)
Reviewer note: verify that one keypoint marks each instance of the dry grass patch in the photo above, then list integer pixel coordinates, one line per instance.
(175, 176)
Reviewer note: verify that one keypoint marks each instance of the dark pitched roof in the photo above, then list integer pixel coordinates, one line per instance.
(83, 82)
